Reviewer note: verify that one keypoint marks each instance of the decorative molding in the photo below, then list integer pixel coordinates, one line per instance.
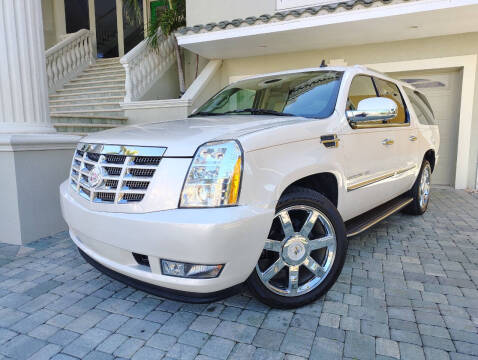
(37, 142)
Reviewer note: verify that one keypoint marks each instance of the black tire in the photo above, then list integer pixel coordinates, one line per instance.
(312, 199)
(416, 207)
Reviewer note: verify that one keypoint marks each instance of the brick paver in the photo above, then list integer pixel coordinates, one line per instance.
(409, 290)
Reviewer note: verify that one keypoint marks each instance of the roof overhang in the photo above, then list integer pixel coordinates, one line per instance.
(375, 24)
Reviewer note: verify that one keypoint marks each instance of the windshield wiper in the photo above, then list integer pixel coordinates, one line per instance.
(257, 111)
(253, 111)
(205, 113)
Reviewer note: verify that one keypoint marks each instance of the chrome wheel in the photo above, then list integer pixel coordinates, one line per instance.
(424, 187)
(299, 252)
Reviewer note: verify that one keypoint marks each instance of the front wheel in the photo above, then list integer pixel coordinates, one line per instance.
(420, 191)
(304, 252)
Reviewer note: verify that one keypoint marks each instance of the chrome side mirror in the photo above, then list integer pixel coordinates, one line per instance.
(372, 112)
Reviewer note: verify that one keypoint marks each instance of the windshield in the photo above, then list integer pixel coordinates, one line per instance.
(308, 94)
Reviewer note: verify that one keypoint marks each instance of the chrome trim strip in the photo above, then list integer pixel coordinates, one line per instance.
(377, 125)
(379, 178)
(125, 150)
(384, 216)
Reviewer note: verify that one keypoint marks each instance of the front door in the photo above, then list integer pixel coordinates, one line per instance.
(106, 28)
(373, 156)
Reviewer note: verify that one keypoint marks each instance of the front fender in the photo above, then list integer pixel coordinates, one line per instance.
(268, 172)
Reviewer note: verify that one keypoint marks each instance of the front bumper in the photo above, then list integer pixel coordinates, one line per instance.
(232, 236)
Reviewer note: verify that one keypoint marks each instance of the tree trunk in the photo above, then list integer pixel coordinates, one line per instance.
(182, 87)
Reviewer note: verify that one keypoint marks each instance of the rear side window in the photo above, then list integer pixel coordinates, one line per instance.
(390, 90)
(361, 88)
(422, 107)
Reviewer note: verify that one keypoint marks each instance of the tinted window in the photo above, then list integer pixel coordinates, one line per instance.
(421, 106)
(308, 94)
(361, 88)
(390, 90)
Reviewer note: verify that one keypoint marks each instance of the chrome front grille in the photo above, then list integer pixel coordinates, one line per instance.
(114, 174)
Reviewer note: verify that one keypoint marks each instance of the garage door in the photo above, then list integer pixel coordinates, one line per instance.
(443, 89)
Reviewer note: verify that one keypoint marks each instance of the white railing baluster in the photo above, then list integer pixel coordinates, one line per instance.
(68, 58)
(145, 65)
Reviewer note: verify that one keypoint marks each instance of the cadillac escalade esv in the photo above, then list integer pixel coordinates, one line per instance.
(261, 185)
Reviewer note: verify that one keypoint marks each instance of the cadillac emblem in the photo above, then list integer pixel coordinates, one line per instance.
(94, 177)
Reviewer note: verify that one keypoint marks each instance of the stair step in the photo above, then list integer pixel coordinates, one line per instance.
(88, 94)
(90, 112)
(112, 59)
(80, 128)
(93, 82)
(107, 106)
(86, 105)
(88, 101)
(105, 126)
(105, 88)
(109, 71)
(362, 222)
(96, 77)
(88, 119)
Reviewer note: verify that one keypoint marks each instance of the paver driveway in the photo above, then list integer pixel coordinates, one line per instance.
(408, 290)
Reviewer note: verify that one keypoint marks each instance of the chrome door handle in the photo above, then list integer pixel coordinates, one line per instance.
(412, 138)
(387, 142)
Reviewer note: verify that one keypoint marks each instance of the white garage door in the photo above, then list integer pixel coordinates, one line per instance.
(443, 89)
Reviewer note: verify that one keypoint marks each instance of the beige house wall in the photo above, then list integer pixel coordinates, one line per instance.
(439, 47)
(199, 11)
(54, 23)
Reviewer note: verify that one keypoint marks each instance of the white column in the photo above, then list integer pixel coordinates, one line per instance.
(34, 159)
(23, 84)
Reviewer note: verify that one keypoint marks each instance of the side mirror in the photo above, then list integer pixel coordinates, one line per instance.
(372, 112)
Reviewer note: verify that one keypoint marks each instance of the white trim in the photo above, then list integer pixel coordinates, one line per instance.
(468, 64)
(155, 104)
(290, 4)
(36, 142)
(317, 21)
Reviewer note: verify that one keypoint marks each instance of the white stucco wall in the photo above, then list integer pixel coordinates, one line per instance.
(199, 11)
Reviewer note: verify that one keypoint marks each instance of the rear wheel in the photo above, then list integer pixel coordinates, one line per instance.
(304, 252)
(421, 191)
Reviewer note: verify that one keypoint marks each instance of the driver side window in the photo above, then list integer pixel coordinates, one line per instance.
(362, 87)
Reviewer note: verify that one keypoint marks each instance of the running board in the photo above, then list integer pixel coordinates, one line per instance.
(362, 222)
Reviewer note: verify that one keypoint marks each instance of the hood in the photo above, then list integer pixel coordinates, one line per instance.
(182, 137)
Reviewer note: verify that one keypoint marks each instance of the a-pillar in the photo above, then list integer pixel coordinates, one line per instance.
(34, 159)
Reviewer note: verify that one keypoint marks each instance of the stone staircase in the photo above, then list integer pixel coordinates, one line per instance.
(90, 102)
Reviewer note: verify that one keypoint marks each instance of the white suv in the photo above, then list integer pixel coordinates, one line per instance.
(262, 185)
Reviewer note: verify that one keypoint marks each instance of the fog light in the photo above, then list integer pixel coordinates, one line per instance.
(193, 271)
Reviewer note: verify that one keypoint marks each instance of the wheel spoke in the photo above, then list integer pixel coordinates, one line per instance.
(272, 270)
(309, 224)
(272, 245)
(314, 266)
(286, 223)
(293, 279)
(322, 242)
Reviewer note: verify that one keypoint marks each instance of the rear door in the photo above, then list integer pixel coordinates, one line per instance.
(405, 137)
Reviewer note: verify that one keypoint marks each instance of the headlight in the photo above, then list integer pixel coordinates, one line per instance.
(214, 177)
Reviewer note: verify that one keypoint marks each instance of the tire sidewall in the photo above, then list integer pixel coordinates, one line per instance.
(315, 200)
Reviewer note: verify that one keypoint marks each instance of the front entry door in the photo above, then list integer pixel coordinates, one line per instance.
(106, 28)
